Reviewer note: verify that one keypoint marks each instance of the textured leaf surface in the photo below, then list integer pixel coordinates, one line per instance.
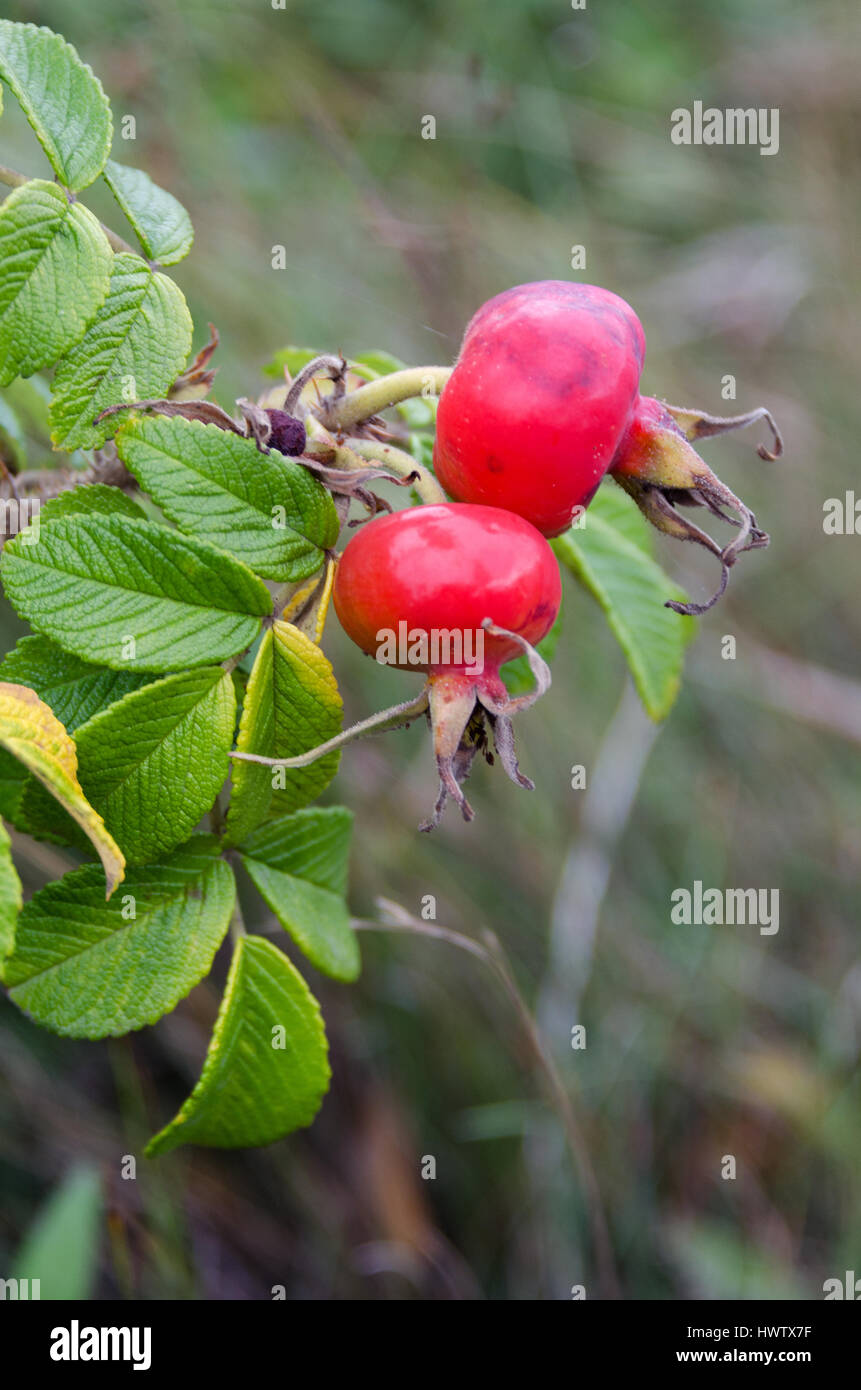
(74, 689)
(89, 498)
(55, 268)
(308, 711)
(134, 348)
(264, 508)
(161, 222)
(299, 866)
(632, 590)
(292, 704)
(61, 1248)
(154, 762)
(10, 896)
(251, 784)
(90, 969)
(92, 583)
(30, 731)
(251, 1092)
(62, 99)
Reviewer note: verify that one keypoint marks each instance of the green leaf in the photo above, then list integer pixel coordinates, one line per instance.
(258, 1082)
(74, 689)
(10, 896)
(62, 99)
(308, 711)
(133, 350)
(133, 595)
(160, 221)
(263, 508)
(154, 762)
(61, 1247)
(291, 705)
(632, 590)
(30, 730)
(251, 789)
(380, 363)
(299, 866)
(89, 969)
(55, 267)
(89, 498)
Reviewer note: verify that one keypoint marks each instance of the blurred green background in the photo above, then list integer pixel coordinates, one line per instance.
(301, 127)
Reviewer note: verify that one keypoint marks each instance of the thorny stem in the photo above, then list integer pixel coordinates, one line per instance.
(378, 395)
(491, 951)
(13, 179)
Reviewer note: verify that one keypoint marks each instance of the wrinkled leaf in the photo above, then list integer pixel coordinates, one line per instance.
(55, 267)
(89, 969)
(133, 595)
(266, 1070)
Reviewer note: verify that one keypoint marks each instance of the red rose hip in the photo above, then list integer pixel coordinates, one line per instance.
(544, 401)
(454, 591)
(536, 406)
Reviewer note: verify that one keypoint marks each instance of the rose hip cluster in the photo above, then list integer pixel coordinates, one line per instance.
(541, 405)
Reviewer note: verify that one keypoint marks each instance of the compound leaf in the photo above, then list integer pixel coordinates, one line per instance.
(267, 1069)
(160, 221)
(134, 348)
(30, 731)
(263, 508)
(62, 99)
(55, 268)
(133, 595)
(299, 866)
(89, 969)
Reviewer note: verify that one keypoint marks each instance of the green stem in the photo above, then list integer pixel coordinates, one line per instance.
(378, 395)
(399, 462)
(13, 179)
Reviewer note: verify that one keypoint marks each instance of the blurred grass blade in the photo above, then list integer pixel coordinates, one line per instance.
(61, 1247)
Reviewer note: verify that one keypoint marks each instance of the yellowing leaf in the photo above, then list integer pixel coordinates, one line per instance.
(31, 731)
